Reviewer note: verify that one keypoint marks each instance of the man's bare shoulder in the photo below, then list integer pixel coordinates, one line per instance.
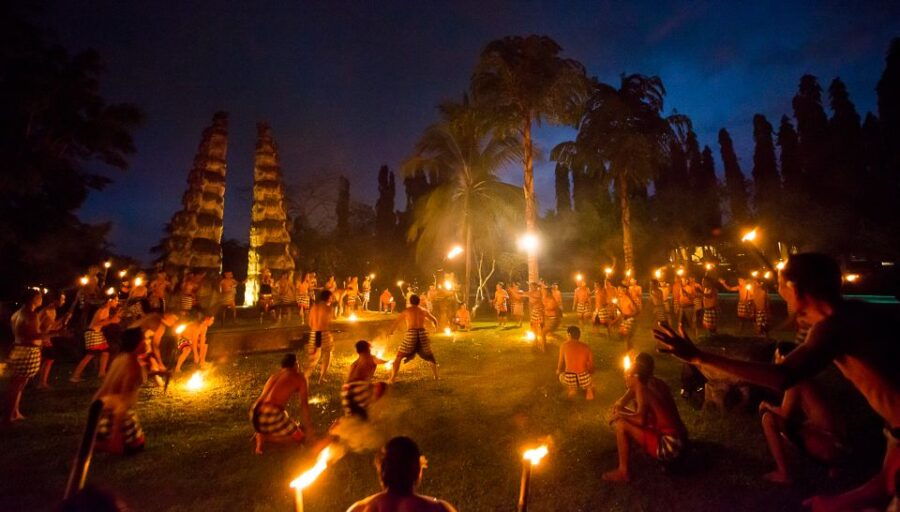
(381, 503)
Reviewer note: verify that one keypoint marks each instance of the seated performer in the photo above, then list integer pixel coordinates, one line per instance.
(95, 342)
(118, 430)
(416, 339)
(576, 364)
(192, 340)
(806, 419)
(629, 310)
(320, 344)
(400, 466)
(653, 424)
(386, 302)
(359, 392)
(462, 320)
(269, 416)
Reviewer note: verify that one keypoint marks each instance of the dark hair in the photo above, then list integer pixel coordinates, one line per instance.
(414, 299)
(363, 347)
(785, 347)
(399, 465)
(289, 360)
(324, 295)
(574, 332)
(132, 339)
(644, 366)
(814, 275)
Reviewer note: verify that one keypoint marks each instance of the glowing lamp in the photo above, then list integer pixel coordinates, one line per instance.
(107, 264)
(851, 278)
(780, 265)
(84, 280)
(579, 278)
(110, 291)
(658, 274)
(749, 236)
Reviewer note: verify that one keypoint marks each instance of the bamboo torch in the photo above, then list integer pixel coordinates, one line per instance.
(530, 459)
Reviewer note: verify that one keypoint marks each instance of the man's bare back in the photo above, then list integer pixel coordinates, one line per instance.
(576, 356)
(387, 502)
(320, 317)
(281, 386)
(415, 317)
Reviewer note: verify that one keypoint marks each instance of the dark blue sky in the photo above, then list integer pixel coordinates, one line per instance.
(348, 86)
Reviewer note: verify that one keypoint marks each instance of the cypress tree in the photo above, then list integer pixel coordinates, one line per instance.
(846, 144)
(385, 219)
(563, 192)
(709, 185)
(791, 170)
(766, 182)
(812, 132)
(888, 90)
(735, 182)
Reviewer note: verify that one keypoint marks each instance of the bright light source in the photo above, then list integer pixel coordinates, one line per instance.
(579, 278)
(658, 274)
(535, 454)
(530, 336)
(749, 236)
(628, 273)
(767, 275)
(851, 278)
(122, 273)
(679, 272)
(528, 242)
(399, 284)
(448, 284)
(195, 383)
(107, 264)
(110, 291)
(780, 265)
(138, 281)
(180, 329)
(352, 317)
(372, 275)
(84, 280)
(709, 266)
(608, 271)
(626, 362)
(748, 287)
(755, 273)
(306, 479)
(454, 252)
(447, 331)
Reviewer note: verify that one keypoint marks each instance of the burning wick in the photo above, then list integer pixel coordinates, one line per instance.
(628, 273)
(110, 291)
(352, 317)
(780, 265)
(454, 252)
(107, 264)
(195, 383)
(851, 278)
(530, 336)
(306, 479)
(658, 274)
(626, 363)
(579, 278)
(608, 271)
(180, 329)
(122, 273)
(530, 459)
(138, 281)
(372, 275)
(749, 236)
(83, 280)
(749, 287)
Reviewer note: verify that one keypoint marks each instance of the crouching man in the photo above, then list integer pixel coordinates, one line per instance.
(269, 415)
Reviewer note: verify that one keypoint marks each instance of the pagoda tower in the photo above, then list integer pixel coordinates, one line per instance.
(195, 232)
(269, 237)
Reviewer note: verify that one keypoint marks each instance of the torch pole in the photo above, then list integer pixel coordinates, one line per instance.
(523, 489)
(82, 462)
(765, 261)
(298, 500)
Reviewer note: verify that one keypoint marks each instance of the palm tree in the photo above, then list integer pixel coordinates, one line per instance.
(471, 202)
(622, 134)
(521, 81)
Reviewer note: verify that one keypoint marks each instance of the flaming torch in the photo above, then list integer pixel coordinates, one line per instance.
(195, 383)
(530, 459)
(306, 479)
(530, 336)
(750, 238)
(626, 363)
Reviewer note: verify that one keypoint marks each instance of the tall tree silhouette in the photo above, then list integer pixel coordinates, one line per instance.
(794, 199)
(888, 90)
(812, 132)
(708, 185)
(523, 81)
(342, 207)
(385, 219)
(563, 190)
(766, 182)
(735, 182)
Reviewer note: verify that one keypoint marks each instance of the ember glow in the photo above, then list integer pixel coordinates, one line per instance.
(306, 479)
(352, 317)
(138, 281)
(454, 252)
(530, 336)
(851, 278)
(535, 455)
(107, 264)
(447, 331)
(749, 236)
(780, 265)
(196, 382)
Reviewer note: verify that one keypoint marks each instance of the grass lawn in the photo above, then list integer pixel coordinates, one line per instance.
(495, 396)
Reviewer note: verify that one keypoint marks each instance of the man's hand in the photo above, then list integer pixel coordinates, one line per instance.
(680, 346)
(764, 407)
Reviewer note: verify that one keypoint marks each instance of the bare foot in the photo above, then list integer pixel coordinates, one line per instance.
(589, 395)
(616, 475)
(778, 477)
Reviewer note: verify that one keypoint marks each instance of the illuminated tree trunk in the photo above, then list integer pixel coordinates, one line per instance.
(530, 206)
(196, 230)
(627, 246)
(269, 238)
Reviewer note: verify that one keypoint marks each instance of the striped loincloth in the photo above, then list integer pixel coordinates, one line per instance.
(745, 309)
(187, 302)
(132, 433)
(25, 361)
(603, 314)
(583, 308)
(95, 341)
(183, 343)
(573, 380)
(669, 447)
(762, 321)
(416, 342)
(357, 396)
(626, 326)
(711, 318)
(659, 312)
(303, 301)
(272, 420)
(319, 340)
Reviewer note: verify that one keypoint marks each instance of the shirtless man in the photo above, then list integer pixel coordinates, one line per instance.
(857, 338)
(462, 320)
(352, 295)
(266, 294)
(189, 285)
(710, 305)
(501, 304)
(686, 316)
(668, 301)
(745, 313)
(321, 342)
(386, 302)
(581, 303)
(158, 289)
(118, 430)
(806, 419)
(557, 295)
(601, 308)
(647, 416)
(285, 296)
(303, 289)
(516, 303)
(25, 358)
(636, 293)
(268, 414)
(192, 340)
(576, 365)
(95, 342)
(416, 339)
(536, 313)
(552, 314)
(359, 392)
(627, 316)
(761, 308)
(658, 302)
(51, 325)
(137, 300)
(228, 290)
(366, 292)
(400, 467)
(154, 327)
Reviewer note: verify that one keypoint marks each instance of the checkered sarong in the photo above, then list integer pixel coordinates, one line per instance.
(603, 314)
(762, 321)
(574, 380)
(710, 318)
(132, 433)
(303, 301)
(416, 342)
(272, 420)
(583, 308)
(659, 312)
(669, 447)
(95, 341)
(25, 361)
(537, 314)
(698, 303)
(745, 309)
(319, 340)
(187, 302)
(626, 326)
(357, 396)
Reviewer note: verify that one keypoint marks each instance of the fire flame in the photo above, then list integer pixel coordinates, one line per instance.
(448, 284)
(680, 272)
(535, 455)
(352, 317)
(780, 265)
(767, 275)
(195, 383)
(306, 479)
(755, 273)
(110, 291)
(579, 278)
(454, 252)
(530, 336)
(626, 362)
(658, 274)
(107, 264)
(608, 270)
(83, 280)
(749, 236)
(180, 329)
(851, 278)
(138, 281)
(123, 273)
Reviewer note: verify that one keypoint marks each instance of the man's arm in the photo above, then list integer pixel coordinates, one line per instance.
(431, 318)
(303, 397)
(561, 361)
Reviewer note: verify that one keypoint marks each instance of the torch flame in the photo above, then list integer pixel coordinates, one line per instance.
(123, 273)
(709, 266)
(195, 383)
(755, 273)
(579, 278)
(399, 284)
(110, 291)
(608, 270)
(138, 281)
(530, 336)
(447, 331)
(448, 284)
(528, 242)
(352, 317)
(748, 287)
(658, 274)
(680, 272)
(535, 455)
(626, 362)
(767, 275)
(180, 329)
(83, 280)
(780, 265)
(306, 479)
(454, 252)
(851, 278)
(749, 236)
(107, 264)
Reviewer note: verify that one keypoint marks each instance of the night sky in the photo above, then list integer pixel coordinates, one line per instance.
(349, 86)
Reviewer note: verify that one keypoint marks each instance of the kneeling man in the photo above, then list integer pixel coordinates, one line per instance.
(269, 414)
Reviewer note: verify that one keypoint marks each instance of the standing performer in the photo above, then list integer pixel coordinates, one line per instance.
(320, 343)
(303, 289)
(668, 302)
(745, 314)
(416, 341)
(686, 317)
(359, 392)
(536, 313)
(154, 327)
(636, 293)
(192, 340)
(516, 303)
(366, 292)
(50, 325)
(228, 290)
(658, 301)
(266, 292)
(188, 289)
(552, 313)
(710, 306)
(501, 304)
(268, 414)
(285, 295)
(576, 365)
(601, 307)
(159, 289)
(761, 308)
(557, 295)
(25, 358)
(626, 319)
(95, 341)
(697, 292)
(118, 430)
(581, 303)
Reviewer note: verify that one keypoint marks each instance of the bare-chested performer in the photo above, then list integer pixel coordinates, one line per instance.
(636, 293)
(761, 308)
(351, 296)
(25, 358)
(321, 342)
(602, 308)
(188, 290)
(858, 339)
(154, 327)
(51, 325)
(576, 364)
(159, 289)
(647, 416)
(138, 299)
(228, 290)
(303, 301)
(118, 430)
(359, 392)
(400, 466)
(557, 294)
(626, 317)
(552, 314)
(501, 304)
(745, 314)
(805, 419)
(416, 341)
(516, 303)
(536, 314)
(668, 301)
(710, 305)
(285, 296)
(268, 414)
(386, 303)
(581, 303)
(192, 341)
(365, 292)
(95, 342)
(685, 314)
(266, 296)
(658, 302)
(462, 320)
